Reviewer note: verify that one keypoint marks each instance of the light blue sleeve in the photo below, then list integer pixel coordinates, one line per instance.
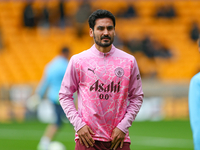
(194, 109)
(43, 85)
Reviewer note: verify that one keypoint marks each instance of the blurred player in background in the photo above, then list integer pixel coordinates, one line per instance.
(109, 88)
(50, 86)
(194, 107)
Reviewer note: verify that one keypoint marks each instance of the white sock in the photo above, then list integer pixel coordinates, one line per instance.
(44, 143)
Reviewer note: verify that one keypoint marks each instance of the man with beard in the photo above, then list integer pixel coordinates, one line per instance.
(109, 88)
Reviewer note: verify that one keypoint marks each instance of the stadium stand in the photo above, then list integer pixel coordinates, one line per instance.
(28, 50)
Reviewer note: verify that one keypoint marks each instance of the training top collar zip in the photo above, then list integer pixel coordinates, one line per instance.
(101, 54)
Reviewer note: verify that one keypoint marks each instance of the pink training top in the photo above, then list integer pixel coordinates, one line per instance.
(109, 90)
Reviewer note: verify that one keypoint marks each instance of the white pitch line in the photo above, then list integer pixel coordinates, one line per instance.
(162, 142)
(19, 134)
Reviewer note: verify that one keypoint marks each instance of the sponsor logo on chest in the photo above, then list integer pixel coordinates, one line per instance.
(100, 87)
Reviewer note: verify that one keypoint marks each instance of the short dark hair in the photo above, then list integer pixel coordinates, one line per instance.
(65, 50)
(100, 14)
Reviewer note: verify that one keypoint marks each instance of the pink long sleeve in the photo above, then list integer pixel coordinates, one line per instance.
(68, 87)
(135, 100)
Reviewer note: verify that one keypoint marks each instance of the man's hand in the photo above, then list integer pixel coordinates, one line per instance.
(85, 137)
(117, 138)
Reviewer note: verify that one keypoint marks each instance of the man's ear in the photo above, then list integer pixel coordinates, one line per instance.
(91, 32)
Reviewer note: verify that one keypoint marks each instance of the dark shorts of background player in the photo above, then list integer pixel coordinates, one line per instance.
(60, 115)
(100, 145)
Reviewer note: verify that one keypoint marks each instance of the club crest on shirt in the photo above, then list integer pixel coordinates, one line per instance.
(119, 72)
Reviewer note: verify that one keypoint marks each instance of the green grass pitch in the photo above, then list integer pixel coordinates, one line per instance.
(162, 135)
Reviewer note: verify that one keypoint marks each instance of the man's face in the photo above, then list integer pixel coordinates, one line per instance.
(103, 32)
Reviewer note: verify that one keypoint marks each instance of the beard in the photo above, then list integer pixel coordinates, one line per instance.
(106, 43)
